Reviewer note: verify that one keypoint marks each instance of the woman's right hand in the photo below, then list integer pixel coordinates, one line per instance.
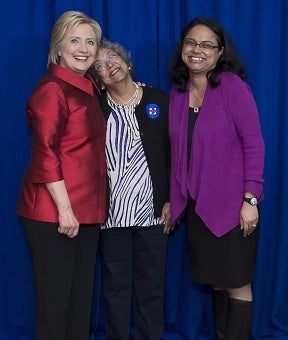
(68, 223)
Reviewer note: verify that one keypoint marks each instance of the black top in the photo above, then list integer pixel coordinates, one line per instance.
(193, 114)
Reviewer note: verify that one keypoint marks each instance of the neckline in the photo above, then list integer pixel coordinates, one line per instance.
(130, 100)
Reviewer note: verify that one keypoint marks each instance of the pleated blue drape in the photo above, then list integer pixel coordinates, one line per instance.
(150, 29)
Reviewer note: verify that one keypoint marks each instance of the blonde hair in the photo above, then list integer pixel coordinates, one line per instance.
(63, 25)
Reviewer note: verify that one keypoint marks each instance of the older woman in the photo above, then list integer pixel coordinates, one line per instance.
(134, 237)
(217, 153)
(62, 200)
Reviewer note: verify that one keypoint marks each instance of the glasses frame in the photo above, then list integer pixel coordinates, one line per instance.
(111, 58)
(193, 43)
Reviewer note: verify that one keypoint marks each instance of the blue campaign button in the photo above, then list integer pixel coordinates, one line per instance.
(152, 111)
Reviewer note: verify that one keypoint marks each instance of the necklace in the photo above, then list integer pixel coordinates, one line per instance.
(129, 100)
(198, 98)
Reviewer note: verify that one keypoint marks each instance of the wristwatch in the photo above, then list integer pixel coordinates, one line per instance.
(251, 200)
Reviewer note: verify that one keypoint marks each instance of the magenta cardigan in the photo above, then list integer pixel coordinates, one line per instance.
(227, 155)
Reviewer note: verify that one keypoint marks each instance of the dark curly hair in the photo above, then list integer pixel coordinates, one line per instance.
(229, 60)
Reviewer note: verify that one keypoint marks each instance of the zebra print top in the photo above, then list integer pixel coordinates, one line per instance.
(130, 184)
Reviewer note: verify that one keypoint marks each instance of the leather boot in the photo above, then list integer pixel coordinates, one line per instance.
(239, 319)
(220, 306)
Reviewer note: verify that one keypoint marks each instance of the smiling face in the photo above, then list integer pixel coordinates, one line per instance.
(200, 59)
(78, 49)
(110, 67)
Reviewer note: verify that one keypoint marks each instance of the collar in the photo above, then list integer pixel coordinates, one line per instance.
(85, 83)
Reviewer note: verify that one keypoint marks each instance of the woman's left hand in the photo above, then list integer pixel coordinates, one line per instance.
(166, 218)
(248, 218)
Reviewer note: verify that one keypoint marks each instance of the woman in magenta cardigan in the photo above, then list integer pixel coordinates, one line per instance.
(217, 169)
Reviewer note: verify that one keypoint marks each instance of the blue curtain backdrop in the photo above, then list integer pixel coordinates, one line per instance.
(150, 30)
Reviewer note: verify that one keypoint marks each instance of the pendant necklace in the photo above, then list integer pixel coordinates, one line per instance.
(198, 98)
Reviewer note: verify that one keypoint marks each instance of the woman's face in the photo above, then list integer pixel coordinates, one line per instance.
(78, 49)
(200, 59)
(110, 67)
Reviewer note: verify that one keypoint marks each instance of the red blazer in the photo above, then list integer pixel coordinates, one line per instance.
(68, 143)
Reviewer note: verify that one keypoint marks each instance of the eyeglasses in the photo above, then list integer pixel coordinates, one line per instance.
(204, 45)
(101, 65)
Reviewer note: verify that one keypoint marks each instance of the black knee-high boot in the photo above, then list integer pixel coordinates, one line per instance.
(220, 306)
(239, 319)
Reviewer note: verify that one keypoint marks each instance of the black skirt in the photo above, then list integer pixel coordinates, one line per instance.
(226, 261)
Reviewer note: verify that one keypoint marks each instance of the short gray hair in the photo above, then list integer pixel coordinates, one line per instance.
(121, 51)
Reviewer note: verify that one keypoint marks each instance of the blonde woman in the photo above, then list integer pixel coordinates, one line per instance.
(62, 199)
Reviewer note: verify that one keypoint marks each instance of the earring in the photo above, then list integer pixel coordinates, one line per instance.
(129, 68)
(59, 53)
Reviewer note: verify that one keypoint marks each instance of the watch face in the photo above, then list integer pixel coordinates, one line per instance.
(253, 201)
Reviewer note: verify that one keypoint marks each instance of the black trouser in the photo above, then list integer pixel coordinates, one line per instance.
(63, 277)
(133, 263)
